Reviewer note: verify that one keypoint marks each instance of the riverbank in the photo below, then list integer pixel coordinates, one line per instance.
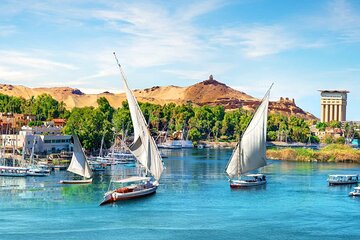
(330, 153)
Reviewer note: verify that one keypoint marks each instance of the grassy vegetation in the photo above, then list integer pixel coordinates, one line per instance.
(330, 153)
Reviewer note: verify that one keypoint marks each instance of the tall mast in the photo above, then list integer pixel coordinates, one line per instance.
(239, 162)
(32, 151)
(101, 147)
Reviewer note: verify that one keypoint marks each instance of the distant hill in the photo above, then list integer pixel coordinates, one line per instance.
(209, 92)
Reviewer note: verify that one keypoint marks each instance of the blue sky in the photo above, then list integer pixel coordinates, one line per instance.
(301, 46)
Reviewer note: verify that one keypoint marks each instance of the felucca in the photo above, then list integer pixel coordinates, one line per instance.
(146, 153)
(250, 152)
(79, 165)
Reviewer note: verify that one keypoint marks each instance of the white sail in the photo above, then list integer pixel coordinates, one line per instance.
(143, 147)
(79, 164)
(250, 152)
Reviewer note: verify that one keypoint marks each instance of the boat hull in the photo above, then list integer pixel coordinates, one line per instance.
(246, 184)
(354, 194)
(83, 181)
(333, 183)
(34, 174)
(13, 174)
(116, 196)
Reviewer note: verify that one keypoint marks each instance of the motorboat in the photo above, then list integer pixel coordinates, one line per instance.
(355, 192)
(170, 145)
(342, 179)
(97, 166)
(76, 181)
(7, 171)
(38, 171)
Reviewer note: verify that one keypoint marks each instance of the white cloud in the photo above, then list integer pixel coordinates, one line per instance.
(338, 17)
(28, 67)
(155, 35)
(7, 30)
(261, 40)
(21, 59)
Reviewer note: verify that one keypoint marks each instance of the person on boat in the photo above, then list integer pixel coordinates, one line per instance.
(148, 184)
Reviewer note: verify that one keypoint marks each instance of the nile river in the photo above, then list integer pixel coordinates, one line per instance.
(193, 201)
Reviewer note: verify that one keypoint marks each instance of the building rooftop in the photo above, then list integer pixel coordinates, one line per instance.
(334, 91)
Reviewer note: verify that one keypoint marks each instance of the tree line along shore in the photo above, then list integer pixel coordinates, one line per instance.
(212, 124)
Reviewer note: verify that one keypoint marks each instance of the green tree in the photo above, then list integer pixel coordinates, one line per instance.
(194, 134)
(45, 108)
(90, 125)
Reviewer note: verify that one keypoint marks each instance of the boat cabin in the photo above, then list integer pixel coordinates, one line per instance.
(16, 171)
(343, 179)
(254, 177)
(355, 192)
(131, 182)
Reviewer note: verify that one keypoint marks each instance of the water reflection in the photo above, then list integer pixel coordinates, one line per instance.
(187, 171)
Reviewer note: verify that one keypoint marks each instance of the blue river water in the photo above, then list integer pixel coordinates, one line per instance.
(193, 201)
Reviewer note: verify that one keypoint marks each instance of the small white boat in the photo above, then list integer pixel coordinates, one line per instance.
(249, 180)
(13, 171)
(38, 171)
(130, 188)
(170, 145)
(79, 165)
(76, 181)
(342, 179)
(33, 169)
(355, 192)
(97, 166)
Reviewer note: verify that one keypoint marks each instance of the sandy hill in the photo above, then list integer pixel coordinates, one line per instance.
(209, 92)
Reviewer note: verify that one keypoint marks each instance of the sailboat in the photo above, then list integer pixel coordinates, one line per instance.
(79, 165)
(146, 153)
(34, 170)
(250, 152)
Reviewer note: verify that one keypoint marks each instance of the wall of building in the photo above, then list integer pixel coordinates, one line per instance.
(333, 105)
(47, 140)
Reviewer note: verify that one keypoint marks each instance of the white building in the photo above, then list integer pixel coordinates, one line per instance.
(49, 139)
(333, 105)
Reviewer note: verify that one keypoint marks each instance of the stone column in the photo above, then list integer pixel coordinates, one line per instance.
(331, 115)
(322, 116)
(336, 116)
(341, 113)
(326, 113)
